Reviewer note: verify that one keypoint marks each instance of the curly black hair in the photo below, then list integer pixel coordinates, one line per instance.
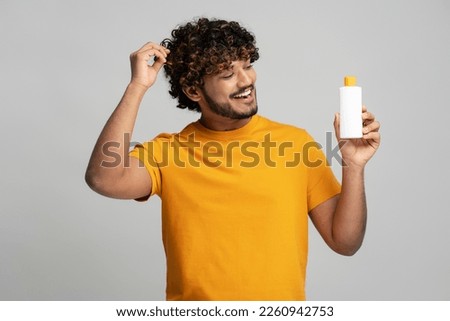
(204, 47)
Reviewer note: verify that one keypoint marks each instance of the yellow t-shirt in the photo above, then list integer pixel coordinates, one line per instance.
(235, 208)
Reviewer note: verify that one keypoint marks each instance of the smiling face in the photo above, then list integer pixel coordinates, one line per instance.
(199, 51)
(231, 93)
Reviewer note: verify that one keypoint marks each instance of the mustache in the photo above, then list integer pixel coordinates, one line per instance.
(243, 90)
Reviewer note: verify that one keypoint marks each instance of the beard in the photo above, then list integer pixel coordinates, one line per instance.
(226, 110)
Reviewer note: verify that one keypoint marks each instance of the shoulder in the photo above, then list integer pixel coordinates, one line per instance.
(284, 129)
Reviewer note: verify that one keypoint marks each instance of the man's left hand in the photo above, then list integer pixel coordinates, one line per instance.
(357, 152)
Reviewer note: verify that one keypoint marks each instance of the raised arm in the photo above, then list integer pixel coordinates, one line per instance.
(108, 175)
(341, 220)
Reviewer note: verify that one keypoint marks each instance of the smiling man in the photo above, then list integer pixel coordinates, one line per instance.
(236, 188)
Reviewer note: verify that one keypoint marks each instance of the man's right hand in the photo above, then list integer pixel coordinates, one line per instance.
(143, 72)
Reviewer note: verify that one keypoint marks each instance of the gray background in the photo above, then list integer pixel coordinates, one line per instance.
(64, 66)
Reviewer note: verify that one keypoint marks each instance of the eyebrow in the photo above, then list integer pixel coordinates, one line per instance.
(230, 67)
(233, 64)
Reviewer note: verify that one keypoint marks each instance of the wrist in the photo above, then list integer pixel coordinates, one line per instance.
(352, 168)
(137, 87)
(352, 163)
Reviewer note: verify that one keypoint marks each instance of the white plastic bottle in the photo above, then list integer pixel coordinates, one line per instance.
(350, 109)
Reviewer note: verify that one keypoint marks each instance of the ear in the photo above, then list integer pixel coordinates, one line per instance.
(192, 93)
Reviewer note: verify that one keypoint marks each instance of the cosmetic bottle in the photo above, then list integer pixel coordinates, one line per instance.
(350, 109)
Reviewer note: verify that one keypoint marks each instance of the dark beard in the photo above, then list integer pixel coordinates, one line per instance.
(225, 109)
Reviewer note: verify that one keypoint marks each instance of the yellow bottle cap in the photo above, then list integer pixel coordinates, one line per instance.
(350, 81)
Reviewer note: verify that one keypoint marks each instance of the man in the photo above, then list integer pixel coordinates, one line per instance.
(236, 188)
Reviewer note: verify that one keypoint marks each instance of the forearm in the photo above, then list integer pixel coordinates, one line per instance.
(341, 220)
(349, 222)
(115, 138)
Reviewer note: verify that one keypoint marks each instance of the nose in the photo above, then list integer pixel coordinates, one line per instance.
(245, 78)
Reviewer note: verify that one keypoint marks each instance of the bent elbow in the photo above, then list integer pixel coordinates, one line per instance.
(91, 180)
(94, 181)
(349, 253)
(348, 250)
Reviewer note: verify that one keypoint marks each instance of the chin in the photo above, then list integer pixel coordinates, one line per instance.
(243, 115)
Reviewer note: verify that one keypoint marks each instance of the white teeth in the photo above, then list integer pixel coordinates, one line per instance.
(245, 94)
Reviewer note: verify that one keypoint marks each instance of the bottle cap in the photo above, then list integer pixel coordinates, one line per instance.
(350, 81)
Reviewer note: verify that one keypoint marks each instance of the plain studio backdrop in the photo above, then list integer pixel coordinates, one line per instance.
(65, 64)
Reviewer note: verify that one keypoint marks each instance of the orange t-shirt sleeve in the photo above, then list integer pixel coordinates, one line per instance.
(147, 153)
(322, 183)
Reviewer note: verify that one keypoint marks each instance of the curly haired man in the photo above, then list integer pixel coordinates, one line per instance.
(237, 189)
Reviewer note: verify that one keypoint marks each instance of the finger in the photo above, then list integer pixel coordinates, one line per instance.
(150, 53)
(373, 137)
(152, 45)
(367, 117)
(372, 127)
(162, 50)
(149, 50)
(364, 108)
(158, 64)
(159, 56)
(337, 125)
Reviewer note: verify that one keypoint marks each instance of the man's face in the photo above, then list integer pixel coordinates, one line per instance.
(232, 92)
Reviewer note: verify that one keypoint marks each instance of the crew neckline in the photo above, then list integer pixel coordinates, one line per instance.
(228, 134)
